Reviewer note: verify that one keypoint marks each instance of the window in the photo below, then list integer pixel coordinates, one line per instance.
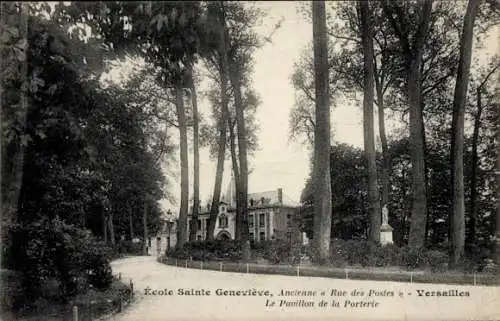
(251, 221)
(262, 220)
(251, 236)
(199, 225)
(262, 236)
(198, 237)
(223, 221)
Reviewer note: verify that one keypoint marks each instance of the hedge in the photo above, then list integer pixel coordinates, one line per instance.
(339, 273)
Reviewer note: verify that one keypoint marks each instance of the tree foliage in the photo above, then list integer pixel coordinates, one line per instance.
(87, 151)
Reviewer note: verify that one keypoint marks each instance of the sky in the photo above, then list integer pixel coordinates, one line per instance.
(278, 162)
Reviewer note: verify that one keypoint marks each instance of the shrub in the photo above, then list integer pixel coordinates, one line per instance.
(129, 247)
(413, 258)
(278, 251)
(436, 261)
(96, 263)
(362, 253)
(49, 249)
(388, 255)
(209, 250)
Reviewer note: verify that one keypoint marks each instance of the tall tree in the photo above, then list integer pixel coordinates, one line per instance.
(321, 164)
(457, 217)
(480, 91)
(413, 48)
(217, 23)
(196, 158)
(181, 119)
(496, 235)
(242, 184)
(14, 27)
(167, 36)
(368, 130)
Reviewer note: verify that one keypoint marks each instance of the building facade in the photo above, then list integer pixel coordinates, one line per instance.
(271, 216)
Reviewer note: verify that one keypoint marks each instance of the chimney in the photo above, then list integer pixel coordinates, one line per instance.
(280, 196)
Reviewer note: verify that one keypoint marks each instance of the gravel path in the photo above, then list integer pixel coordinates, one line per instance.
(483, 303)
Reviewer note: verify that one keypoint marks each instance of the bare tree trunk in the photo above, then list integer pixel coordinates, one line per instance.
(413, 50)
(496, 244)
(196, 162)
(475, 157)
(236, 173)
(428, 219)
(11, 196)
(368, 129)
(242, 192)
(214, 209)
(104, 225)
(111, 227)
(473, 179)
(183, 212)
(321, 164)
(386, 161)
(457, 219)
(145, 227)
(130, 221)
(419, 208)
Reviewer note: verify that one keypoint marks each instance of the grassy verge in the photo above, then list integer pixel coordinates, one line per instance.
(342, 273)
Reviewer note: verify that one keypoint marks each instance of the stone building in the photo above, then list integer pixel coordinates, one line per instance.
(271, 215)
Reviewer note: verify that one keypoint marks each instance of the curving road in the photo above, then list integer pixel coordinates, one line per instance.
(483, 303)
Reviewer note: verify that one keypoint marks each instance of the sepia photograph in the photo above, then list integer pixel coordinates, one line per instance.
(250, 160)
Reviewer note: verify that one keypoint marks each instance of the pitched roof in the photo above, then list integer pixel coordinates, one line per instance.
(271, 198)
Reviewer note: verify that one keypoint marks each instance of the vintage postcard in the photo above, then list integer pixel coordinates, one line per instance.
(257, 160)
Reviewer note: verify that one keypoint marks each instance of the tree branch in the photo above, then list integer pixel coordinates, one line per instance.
(488, 76)
(423, 26)
(355, 40)
(403, 37)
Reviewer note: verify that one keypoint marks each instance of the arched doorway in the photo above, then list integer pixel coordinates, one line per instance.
(223, 235)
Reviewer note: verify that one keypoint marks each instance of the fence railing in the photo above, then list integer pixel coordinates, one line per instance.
(340, 273)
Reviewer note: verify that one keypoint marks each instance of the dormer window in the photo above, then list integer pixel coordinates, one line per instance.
(223, 222)
(223, 209)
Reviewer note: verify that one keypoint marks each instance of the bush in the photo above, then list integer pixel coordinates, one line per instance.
(96, 263)
(49, 249)
(437, 261)
(278, 252)
(354, 253)
(129, 247)
(368, 254)
(362, 253)
(209, 250)
(388, 255)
